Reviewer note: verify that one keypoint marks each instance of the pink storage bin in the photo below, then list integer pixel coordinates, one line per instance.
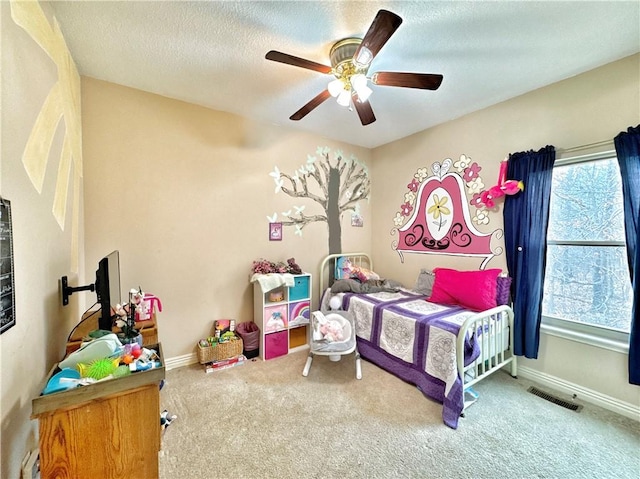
(275, 318)
(276, 344)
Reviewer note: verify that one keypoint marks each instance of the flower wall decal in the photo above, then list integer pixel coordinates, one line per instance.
(438, 210)
(406, 209)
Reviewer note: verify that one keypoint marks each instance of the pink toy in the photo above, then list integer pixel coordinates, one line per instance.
(332, 331)
(504, 187)
(147, 306)
(133, 349)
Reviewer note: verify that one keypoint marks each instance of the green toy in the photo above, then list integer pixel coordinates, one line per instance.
(99, 369)
(121, 371)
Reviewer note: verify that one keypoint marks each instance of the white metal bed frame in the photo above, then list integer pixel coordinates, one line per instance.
(496, 348)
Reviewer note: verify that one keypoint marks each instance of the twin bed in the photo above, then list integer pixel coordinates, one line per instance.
(443, 349)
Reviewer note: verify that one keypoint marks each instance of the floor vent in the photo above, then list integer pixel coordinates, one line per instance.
(555, 400)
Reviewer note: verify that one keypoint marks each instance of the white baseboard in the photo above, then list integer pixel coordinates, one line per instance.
(179, 361)
(623, 408)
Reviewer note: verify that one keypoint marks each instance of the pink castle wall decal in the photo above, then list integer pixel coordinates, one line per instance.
(438, 218)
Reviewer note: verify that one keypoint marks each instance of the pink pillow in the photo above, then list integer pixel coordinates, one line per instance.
(474, 290)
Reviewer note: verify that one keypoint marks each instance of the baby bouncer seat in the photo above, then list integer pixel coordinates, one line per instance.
(333, 335)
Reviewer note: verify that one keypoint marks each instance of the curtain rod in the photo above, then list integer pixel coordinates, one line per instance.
(584, 147)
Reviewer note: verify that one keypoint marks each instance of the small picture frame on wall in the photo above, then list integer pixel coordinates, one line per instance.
(357, 221)
(275, 231)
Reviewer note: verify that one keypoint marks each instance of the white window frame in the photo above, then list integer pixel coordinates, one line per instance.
(592, 335)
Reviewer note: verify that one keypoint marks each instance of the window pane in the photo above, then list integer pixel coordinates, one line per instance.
(588, 284)
(586, 202)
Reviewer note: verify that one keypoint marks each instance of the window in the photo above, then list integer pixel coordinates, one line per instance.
(587, 289)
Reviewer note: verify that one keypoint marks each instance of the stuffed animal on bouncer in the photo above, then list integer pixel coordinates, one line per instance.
(328, 328)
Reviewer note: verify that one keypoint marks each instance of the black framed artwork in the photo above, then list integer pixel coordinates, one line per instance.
(7, 280)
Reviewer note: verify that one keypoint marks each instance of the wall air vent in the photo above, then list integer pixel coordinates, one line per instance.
(555, 400)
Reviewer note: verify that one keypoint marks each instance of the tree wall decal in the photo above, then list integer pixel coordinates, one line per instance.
(334, 182)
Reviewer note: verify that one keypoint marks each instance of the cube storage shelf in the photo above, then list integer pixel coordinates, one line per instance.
(282, 315)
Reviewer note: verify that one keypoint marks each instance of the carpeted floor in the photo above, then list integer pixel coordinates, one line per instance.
(265, 420)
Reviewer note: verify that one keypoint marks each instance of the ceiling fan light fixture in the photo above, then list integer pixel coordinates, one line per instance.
(343, 51)
(364, 93)
(358, 81)
(335, 87)
(359, 85)
(344, 98)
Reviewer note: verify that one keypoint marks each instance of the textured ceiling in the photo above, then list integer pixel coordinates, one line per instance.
(213, 54)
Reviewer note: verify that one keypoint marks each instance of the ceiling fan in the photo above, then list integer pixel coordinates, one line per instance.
(350, 59)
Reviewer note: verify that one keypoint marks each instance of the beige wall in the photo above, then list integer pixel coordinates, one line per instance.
(42, 250)
(588, 108)
(183, 193)
(189, 170)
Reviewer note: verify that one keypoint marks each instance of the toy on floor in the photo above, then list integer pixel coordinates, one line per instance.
(166, 419)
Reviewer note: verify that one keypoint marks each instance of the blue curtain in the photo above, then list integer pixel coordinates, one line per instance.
(628, 152)
(526, 216)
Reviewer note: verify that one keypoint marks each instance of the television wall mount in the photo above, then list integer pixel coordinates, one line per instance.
(69, 290)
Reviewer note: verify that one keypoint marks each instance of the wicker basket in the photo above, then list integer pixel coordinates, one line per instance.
(220, 351)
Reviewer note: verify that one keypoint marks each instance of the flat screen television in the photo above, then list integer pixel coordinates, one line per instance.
(106, 286)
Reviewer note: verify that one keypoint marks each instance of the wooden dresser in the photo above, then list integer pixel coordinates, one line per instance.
(107, 430)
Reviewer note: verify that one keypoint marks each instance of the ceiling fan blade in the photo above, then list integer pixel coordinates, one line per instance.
(365, 112)
(424, 81)
(296, 61)
(383, 26)
(314, 103)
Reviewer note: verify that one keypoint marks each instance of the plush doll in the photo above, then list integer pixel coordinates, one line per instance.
(504, 187)
(293, 266)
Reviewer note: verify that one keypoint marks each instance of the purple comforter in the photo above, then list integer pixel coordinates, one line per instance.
(416, 341)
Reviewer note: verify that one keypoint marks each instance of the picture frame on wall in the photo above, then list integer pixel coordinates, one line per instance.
(7, 280)
(275, 231)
